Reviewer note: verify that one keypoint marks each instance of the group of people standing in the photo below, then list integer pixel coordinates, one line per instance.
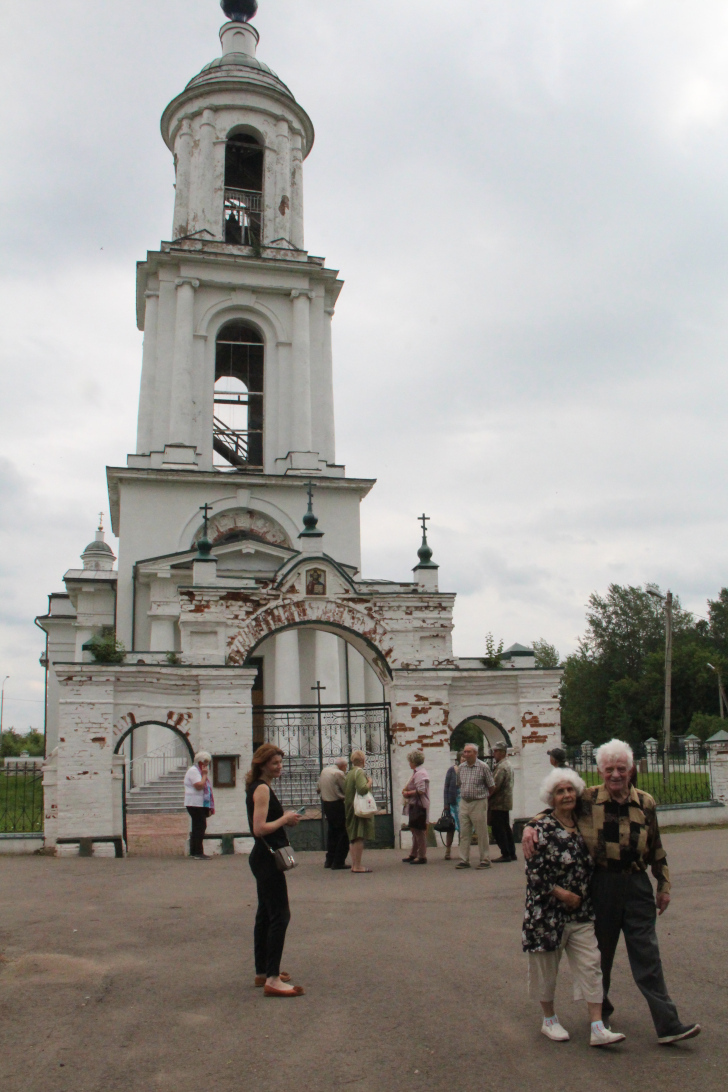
(586, 856)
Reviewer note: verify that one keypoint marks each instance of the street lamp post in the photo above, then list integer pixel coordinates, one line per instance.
(721, 692)
(667, 600)
(2, 705)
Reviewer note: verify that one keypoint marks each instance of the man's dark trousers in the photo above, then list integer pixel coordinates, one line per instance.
(503, 833)
(624, 902)
(337, 845)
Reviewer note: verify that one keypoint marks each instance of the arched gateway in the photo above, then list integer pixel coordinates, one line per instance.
(240, 588)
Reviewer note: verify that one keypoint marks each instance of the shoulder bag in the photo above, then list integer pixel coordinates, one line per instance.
(445, 824)
(283, 857)
(365, 806)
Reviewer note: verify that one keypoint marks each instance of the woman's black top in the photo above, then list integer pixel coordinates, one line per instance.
(278, 838)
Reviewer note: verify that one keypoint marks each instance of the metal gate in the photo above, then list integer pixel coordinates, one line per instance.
(312, 736)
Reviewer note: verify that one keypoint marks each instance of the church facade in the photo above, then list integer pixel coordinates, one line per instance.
(238, 611)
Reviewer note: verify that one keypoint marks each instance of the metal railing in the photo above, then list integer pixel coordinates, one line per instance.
(21, 798)
(683, 776)
(153, 765)
(239, 448)
(243, 217)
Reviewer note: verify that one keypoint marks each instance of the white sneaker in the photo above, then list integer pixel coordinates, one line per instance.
(556, 1032)
(601, 1037)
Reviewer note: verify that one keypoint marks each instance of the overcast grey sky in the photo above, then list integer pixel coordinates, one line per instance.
(528, 202)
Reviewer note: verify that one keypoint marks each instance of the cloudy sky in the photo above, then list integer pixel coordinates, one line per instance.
(529, 205)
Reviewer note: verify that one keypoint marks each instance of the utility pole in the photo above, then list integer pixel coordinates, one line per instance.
(721, 692)
(666, 738)
(2, 705)
(668, 687)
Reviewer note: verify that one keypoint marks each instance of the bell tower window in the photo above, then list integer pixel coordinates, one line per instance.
(243, 191)
(237, 423)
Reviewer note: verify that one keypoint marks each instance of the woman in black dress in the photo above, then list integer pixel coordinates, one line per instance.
(267, 820)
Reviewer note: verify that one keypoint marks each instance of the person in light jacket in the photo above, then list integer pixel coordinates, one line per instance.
(416, 795)
(357, 781)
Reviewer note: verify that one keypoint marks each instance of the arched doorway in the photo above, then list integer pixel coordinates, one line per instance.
(482, 730)
(318, 698)
(153, 773)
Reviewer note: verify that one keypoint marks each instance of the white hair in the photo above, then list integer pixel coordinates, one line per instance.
(558, 777)
(613, 751)
(342, 762)
(203, 756)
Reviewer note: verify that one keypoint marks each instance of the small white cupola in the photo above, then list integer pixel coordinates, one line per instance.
(98, 555)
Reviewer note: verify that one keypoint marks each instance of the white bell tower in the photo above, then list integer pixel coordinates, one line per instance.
(237, 366)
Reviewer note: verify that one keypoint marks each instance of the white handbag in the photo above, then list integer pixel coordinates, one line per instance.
(365, 806)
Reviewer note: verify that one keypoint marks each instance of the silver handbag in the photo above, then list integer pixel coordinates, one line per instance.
(284, 858)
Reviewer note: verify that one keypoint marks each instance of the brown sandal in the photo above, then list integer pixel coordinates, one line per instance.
(261, 979)
(271, 991)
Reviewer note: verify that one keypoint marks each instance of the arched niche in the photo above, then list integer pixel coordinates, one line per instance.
(491, 732)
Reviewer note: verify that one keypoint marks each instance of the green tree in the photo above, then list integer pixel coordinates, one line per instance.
(14, 744)
(546, 654)
(614, 684)
(492, 658)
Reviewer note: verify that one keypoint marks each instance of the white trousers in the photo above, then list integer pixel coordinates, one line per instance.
(580, 945)
(474, 816)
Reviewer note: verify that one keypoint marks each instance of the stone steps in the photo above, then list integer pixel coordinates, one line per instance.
(160, 797)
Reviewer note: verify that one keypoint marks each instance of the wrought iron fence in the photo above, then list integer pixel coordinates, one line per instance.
(243, 217)
(312, 737)
(682, 776)
(21, 798)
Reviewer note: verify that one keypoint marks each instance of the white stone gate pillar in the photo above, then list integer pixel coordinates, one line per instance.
(226, 729)
(719, 771)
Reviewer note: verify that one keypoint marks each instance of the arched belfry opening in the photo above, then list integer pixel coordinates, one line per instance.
(238, 416)
(243, 190)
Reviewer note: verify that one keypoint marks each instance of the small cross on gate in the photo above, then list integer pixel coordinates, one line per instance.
(101, 521)
(424, 520)
(310, 504)
(318, 688)
(206, 509)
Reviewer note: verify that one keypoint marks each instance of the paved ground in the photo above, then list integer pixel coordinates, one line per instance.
(136, 975)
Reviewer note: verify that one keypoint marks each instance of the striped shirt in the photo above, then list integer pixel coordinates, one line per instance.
(475, 780)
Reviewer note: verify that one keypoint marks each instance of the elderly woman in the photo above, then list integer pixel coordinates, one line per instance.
(199, 802)
(416, 795)
(357, 781)
(619, 825)
(559, 915)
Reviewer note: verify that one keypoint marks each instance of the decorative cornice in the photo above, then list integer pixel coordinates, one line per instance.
(181, 281)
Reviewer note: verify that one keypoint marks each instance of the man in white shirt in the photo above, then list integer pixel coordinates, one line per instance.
(331, 791)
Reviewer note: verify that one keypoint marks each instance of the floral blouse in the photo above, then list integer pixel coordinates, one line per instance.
(562, 860)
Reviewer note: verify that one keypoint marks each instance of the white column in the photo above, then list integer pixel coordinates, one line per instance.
(149, 360)
(287, 668)
(181, 409)
(205, 213)
(301, 369)
(327, 667)
(183, 157)
(296, 168)
(283, 179)
(357, 666)
(326, 393)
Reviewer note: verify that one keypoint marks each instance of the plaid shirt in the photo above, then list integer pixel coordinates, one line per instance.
(475, 780)
(623, 837)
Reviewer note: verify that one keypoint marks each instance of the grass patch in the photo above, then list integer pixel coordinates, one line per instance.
(21, 803)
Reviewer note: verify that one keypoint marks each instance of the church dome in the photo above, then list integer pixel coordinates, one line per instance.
(98, 555)
(239, 66)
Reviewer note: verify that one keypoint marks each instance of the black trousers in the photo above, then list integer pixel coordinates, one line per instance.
(625, 903)
(273, 916)
(337, 845)
(199, 826)
(503, 832)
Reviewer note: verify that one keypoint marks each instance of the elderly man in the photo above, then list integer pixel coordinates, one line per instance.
(619, 825)
(476, 783)
(557, 757)
(331, 791)
(501, 804)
